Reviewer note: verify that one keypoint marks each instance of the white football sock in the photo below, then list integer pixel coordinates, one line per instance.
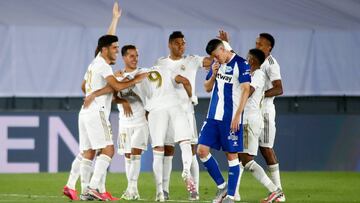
(158, 165)
(85, 173)
(134, 171)
(186, 155)
(127, 168)
(195, 171)
(275, 174)
(102, 187)
(101, 165)
(167, 172)
(74, 172)
(259, 173)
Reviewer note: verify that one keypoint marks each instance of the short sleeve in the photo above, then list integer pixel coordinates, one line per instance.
(273, 72)
(244, 72)
(209, 74)
(86, 76)
(198, 61)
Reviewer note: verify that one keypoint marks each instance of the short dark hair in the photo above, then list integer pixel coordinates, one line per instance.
(258, 54)
(212, 45)
(269, 38)
(105, 41)
(125, 48)
(175, 35)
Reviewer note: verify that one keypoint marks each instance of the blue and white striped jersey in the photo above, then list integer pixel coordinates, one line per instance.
(226, 92)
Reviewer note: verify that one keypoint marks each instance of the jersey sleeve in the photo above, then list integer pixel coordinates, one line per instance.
(274, 72)
(244, 72)
(258, 79)
(106, 71)
(209, 74)
(198, 61)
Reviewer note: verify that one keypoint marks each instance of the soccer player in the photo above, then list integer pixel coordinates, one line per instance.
(94, 126)
(230, 86)
(253, 125)
(273, 87)
(69, 189)
(133, 126)
(186, 66)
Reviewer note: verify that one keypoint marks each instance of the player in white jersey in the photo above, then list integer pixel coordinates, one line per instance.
(94, 126)
(133, 126)
(253, 125)
(69, 189)
(273, 87)
(186, 66)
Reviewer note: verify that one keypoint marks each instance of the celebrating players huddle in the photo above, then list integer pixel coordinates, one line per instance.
(157, 104)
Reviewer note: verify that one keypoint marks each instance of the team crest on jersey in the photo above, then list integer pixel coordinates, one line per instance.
(228, 69)
(182, 67)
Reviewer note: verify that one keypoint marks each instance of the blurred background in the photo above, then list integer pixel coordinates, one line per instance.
(46, 46)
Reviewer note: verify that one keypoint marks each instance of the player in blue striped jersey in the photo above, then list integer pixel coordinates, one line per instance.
(229, 80)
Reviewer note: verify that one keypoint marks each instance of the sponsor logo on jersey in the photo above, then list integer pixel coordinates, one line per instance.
(224, 77)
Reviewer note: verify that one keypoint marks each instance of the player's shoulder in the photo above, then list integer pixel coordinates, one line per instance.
(241, 62)
(259, 74)
(271, 61)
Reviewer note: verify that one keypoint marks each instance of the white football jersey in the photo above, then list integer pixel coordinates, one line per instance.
(254, 102)
(159, 88)
(187, 67)
(95, 76)
(135, 97)
(271, 69)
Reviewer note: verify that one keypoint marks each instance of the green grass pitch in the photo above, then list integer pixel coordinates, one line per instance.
(339, 187)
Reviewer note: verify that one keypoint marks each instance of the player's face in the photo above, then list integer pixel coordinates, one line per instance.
(177, 46)
(263, 44)
(131, 58)
(219, 54)
(252, 62)
(113, 51)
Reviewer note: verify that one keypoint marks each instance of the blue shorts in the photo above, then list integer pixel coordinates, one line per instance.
(217, 135)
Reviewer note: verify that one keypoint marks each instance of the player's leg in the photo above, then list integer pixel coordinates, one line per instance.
(168, 157)
(232, 144)
(70, 189)
(158, 122)
(183, 135)
(139, 141)
(87, 153)
(101, 139)
(209, 137)
(194, 163)
(266, 143)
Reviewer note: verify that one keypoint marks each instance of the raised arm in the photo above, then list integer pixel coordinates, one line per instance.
(210, 80)
(115, 19)
(186, 83)
(223, 35)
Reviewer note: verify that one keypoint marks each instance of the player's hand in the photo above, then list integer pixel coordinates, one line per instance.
(235, 123)
(139, 77)
(116, 10)
(88, 100)
(127, 108)
(223, 36)
(119, 73)
(215, 68)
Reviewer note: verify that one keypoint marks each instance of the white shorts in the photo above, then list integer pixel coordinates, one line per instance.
(94, 130)
(168, 126)
(267, 136)
(132, 137)
(253, 126)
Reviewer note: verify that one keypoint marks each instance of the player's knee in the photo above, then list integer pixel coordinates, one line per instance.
(202, 151)
(108, 150)
(127, 155)
(89, 154)
(136, 151)
(169, 150)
